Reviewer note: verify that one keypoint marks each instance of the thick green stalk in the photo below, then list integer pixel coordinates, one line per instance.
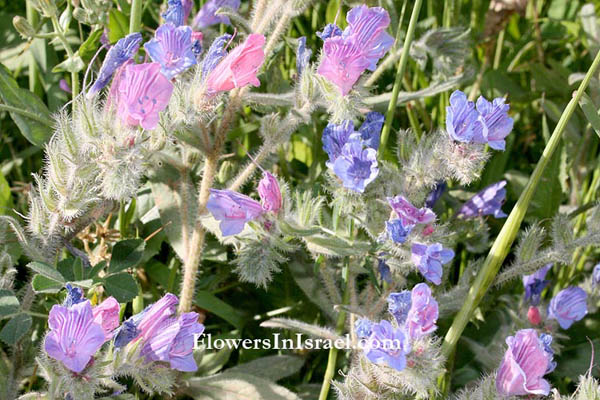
(509, 231)
(389, 116)
(135, 18)
(34, 83)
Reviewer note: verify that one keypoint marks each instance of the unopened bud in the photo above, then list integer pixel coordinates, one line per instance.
(533, 315)
(23, 27)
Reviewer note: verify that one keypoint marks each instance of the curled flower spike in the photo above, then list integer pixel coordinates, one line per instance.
(524, 365)
(568, 306)
(175, 13)
(409, 214)
(399, 305)
(207, 15)
(143, 93)
(121, 52)
(238, 68)
(74, 337)
(233, 210)
(302, 55)
(496, 122)
(106, 314)
(487, 202)
(269, 192)
(429, 260)
(172, 48)
(535, 284)
(397, 231)
(387, 345)
(423, 313)
(356, 166)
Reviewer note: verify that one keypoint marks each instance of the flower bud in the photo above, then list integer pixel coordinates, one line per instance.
(533, 315)
(23, 27)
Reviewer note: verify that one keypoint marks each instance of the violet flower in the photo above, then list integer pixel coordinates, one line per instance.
(462, 119)
(356, 166)
(233, 210)
(64, 86)
(535, 283)
(330, 30)
(342, 63)
(399, 305)
(370, 129)
(143, 93)
(187, 9)
(172, 48)
(423, 313)
(74, 337)
(409, 214)
(397, 231)
(216, 52)
(435, 194)
(303, 55)
(175, 13)
(496, 122)
(335, 136)
(596, 276)
(238, 68)
(362, 327)
(125, 49)
(384, 271)
(487, 202)
(106, 314)
(207, 15)
(387, 345)
(270, 194)
(568, 306)
(197, 43)
(74, 295)
(524, 365)
(429, 260)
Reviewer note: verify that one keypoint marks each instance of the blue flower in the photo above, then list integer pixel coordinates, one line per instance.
(335, 136)
(462, 119)
(399, 305)
(535, 283)
(330, 30)
(546, 341)
(371, 128)
(487, 202)
(397, 231)
(384, 271)
(121, 52)
(172, 48)
(496, 122)
(362, 326)
(435, 194)
(596, 276)
(302, 55)
(387, 345)
(568, 306)
(74, 295)
(429, 260)
(175, 13)
(207, 15)
(215, 54)
(356, 166)
(126, 333)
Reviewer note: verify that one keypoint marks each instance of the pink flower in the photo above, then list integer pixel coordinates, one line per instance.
(239, 67)
(525, 363)
(233, 209)
(143, 92)
(342, 63)
(423, 313)
(106, 314)
(533, 315)
(409, 214)
(270, 195)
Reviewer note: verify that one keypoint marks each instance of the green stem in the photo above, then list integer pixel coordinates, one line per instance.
(507, 235)
(389, 116)
(61, 36)
(135, 18)
(339, 328)
(34, 83)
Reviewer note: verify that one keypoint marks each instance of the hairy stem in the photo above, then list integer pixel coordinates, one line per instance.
(509, 231)
(389, 116)
(135, 18)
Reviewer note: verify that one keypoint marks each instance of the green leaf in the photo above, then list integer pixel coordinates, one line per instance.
(9, 304)
(15, 328)
(78, 269)
(591, 112)
(273, 368)
(122, 286)
(126, 254)
(47, 271)
(214, 361)
(42, 284)
(90, 46)
(6, 202)
(334, 246)
(95, 270)
(27, 110)
(118, 25)
(237, 386)
(213, 304)
(72, 64)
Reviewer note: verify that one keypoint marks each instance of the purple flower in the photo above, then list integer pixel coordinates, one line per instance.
(596, 276)
(423, 313)
(64, 86)
(150, 321)
(496, 122)
(233, 210)
(487, 202)
(399, 305)
(215, 54)
(397, 231)
(356, 166)
(74, 295)
(524, 365)
(74, 337)
(126, 333)
(302, 55)
(546, 341)
(335, 136)
(175, 13)
(121, 52)
(462, 119)
(409, 214)
(330, 30)
(362, 326)
(269, 192)
(342, 63)
(187, 8)
(429, 259)
(535, 283)
(387, 345)
(435, 194)
(207, 15)
(568, 306)
(172, 48)
(197, 43)
(371, 128)
(384, 270)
